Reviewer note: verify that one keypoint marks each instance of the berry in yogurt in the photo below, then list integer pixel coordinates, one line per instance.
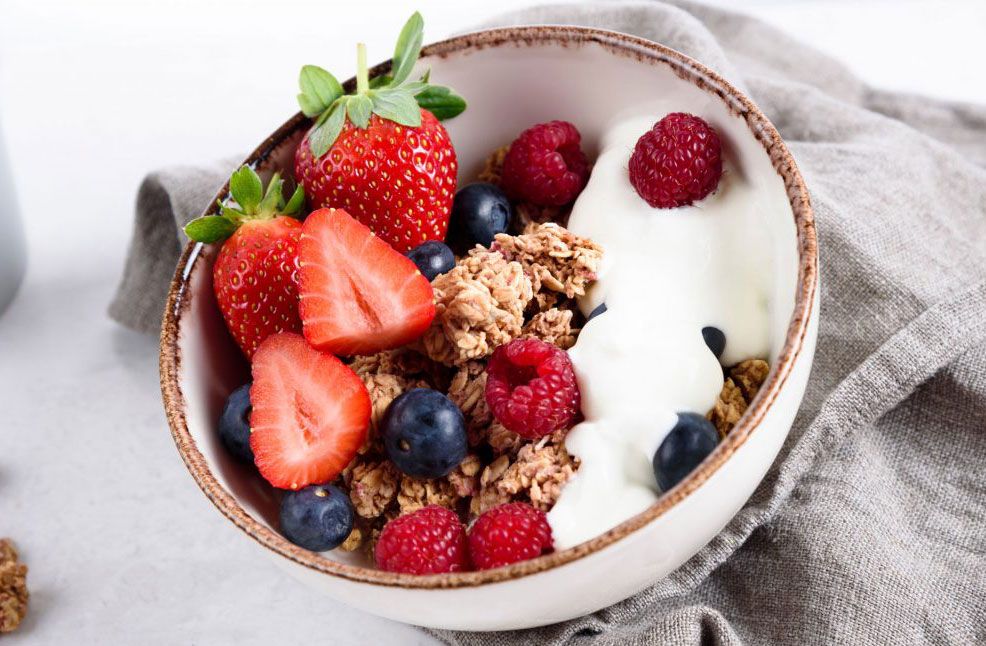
(691, 440)
(715, 339)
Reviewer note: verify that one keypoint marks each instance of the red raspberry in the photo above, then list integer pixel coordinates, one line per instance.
(545, 165)
(676, 162)
(507, 534)
(429, 541)
(531, 388)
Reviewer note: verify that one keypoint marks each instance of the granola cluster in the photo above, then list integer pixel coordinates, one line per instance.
(556, 259)
(524, 285)
(479, 305)
(13, 587)
(535, 471)
(741, 386)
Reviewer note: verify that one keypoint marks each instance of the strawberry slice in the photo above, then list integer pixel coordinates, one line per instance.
(310, 413)
(358, 295)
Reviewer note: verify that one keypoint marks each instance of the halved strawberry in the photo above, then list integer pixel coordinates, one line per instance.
(310, 413)
(358, 295)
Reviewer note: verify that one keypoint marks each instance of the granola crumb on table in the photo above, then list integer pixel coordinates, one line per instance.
(13, 587)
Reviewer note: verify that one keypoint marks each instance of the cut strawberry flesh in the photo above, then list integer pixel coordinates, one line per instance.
(358, 295)
(310, 413)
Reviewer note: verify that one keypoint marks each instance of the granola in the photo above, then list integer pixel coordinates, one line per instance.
(536, 475)
(503, 440)
(13, 587)
(553, 326)
(468, 392)
(373, 486)
(353, 541)
(738, 390)
(493, 167)
(416, 493)
(556, 259)
(480, 304)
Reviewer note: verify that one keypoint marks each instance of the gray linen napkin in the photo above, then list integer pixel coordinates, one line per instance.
(166, 200)
(871, 526)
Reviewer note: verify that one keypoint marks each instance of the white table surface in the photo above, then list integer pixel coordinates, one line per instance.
(122, 546)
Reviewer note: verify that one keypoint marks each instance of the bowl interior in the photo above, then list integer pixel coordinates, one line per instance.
(509, 85)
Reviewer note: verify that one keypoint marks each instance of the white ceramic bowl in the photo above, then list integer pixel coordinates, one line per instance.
(513, 78)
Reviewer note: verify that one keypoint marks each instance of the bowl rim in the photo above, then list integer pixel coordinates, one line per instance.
(618, 43)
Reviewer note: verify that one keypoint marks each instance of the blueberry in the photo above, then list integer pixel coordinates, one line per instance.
(479, 212)
(424, 433)
(599, 309)
(715, 339)
(234, 424)
(432, 258)
(317, 518)
(690, 441)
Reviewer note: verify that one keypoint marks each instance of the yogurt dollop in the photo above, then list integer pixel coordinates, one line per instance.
(666, 274)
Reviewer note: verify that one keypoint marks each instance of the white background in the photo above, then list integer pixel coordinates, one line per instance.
(122, 546)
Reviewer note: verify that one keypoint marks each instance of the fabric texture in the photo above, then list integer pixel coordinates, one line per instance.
(166, 201)
(870, 528)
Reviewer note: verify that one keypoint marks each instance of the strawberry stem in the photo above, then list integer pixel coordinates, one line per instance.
(362, 73)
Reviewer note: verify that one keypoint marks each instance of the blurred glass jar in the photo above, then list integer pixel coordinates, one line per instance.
(12, 253)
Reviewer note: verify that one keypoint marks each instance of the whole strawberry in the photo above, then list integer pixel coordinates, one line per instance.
(255, 276)
(381, 153)
(677, 162)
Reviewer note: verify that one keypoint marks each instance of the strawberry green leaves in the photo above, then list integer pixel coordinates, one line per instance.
(211, 228)
(248, 201)
(327, 129)
(359, 108)
(408, 49)
(397, 106)
(441, 102)
(319, 90)
(393, 97)
(246, 188)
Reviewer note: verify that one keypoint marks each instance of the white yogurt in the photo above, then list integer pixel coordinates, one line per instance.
(666, 274)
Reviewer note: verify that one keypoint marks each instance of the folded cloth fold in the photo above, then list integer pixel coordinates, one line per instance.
(166, 201)
(870, 528)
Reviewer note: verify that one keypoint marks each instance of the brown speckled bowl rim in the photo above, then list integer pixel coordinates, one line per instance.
(618, 43)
